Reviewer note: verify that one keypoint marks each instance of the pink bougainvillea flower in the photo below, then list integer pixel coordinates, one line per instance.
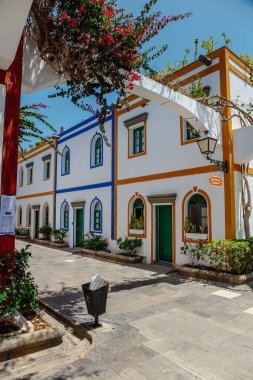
(109, 39)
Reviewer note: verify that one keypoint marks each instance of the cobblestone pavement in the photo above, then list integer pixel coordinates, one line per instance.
(158, 324)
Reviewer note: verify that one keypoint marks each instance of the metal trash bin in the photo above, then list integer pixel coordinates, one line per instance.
(95, 300)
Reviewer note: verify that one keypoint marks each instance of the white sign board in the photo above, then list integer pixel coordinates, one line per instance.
(7, 215)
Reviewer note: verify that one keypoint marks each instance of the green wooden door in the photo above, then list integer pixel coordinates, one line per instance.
(164, 233)
(36, 223)
(79, 225)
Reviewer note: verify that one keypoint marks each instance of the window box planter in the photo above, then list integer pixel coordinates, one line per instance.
(196, 236)
(136, 232)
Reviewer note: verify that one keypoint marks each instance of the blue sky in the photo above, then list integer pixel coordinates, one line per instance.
(209, 17)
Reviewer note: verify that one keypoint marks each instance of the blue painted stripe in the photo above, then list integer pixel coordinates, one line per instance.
(82, 131)
(87, 187)
(86, 121)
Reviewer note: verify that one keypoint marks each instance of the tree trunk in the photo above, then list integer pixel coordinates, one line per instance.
(246, 203)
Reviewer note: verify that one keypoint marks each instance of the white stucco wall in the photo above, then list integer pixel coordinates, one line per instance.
(34, 201)
(81, 174)
(87, 196)
(39, 185)
(238, 205)
(164, 150)
(180, 186)
(34, 194)
(239, 88)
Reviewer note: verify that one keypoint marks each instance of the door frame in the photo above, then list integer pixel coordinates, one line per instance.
(74, 223)
(153, 232)
(35, 209)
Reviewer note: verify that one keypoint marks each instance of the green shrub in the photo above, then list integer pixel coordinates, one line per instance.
(128, 246)
(59, 235)
(46, 231)
(194, 252)
(22, 231)
(18, 290)
(94, 242)
(231, 256)
(136, 224)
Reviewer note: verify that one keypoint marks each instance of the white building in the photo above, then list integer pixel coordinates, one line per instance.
(154, 176)
(35, 188)
(84, 182)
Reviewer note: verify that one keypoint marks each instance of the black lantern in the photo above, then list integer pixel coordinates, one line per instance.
(207, 147)
(206, 60)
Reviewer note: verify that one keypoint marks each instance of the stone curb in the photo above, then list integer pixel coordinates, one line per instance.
(111, 257)
(48, 243)
(21, 237)
(23, 344)
(205, 274)
(80, 331)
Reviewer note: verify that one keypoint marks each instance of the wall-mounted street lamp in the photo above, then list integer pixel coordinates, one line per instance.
(207, 147)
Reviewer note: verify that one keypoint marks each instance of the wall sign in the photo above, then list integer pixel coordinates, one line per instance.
(216, 181)
(7, 215)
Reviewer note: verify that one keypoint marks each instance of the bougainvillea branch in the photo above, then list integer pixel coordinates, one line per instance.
(29, 115)
(96, 46)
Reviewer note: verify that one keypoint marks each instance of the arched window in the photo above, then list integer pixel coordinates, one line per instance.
(136, 216)
(64, 216)
(65, 161)
(21, 177)
(45, 215)
(96, 216)
(197, 212)
(29, 215)
(96, 155)
(20, 215)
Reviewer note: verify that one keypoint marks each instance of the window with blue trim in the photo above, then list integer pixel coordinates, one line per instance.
(96, 153)
(97, 217)
(65, 216)
(66, 161)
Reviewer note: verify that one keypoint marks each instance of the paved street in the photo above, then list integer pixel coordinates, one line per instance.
(158, 324)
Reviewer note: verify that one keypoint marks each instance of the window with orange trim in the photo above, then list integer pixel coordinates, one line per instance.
(137, 216)
(189, 132)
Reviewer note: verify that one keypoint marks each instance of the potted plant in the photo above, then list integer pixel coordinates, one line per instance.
(93, 242)
(59, 236)
(23, 233)
(129, 246)
(136, 226)
(46, 232)
(191, 230)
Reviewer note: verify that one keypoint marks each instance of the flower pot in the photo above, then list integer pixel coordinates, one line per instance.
(136, 232)
(196, 236)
